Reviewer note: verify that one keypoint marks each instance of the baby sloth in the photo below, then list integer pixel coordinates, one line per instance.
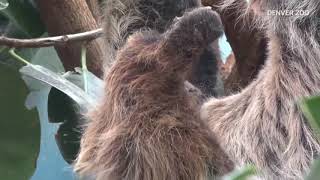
(146, 128)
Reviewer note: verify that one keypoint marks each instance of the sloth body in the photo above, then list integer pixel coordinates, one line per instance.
(146, 127)
(263, 124)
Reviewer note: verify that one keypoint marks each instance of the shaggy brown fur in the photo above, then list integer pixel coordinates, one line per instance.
(146, 128)
(263, 124)
(125, 17)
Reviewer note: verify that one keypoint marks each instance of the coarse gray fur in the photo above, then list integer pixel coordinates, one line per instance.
(263, 124)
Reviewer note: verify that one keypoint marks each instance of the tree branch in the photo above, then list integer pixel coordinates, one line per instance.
(50, 41)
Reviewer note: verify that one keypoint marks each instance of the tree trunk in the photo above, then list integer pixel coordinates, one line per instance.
(67, 17)
(248, 45)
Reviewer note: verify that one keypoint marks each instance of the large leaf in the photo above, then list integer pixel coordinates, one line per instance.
(19, 128)
(94, 84)
(63, 109)
(47, 76)
(311, 109)
(64, 99)
(50, 163)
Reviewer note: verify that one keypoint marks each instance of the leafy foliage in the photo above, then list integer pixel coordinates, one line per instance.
(45, 75)
(315, 171)
(24, 16)
(3, 4)
(19, 128)
(311, 109)
(63, 109)
(50, 163)
(241, 174)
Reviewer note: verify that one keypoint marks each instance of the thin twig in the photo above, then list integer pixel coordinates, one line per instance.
(84, 67)
(16, 56)
(50, 41)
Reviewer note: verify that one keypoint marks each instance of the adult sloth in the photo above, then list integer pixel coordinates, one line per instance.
(263, 124)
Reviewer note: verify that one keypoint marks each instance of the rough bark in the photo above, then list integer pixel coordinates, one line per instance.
(68, 17)
(249, 46)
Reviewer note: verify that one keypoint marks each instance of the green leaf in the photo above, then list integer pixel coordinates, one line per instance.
(47, 76)
(25, 17)
(50, 163)
(48, 58)
(63, 109)
(19, 128)
(3, 4)
(5, 57)
(315, 171)
(242, 174)
(68, 135)
(94, 84)
(311, 109)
